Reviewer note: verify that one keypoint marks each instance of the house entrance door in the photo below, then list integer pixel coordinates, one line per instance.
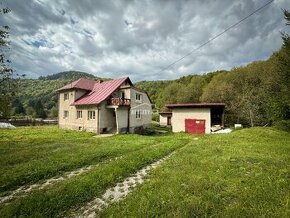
(168, 121)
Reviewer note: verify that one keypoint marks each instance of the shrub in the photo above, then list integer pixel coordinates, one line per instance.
(282, 125)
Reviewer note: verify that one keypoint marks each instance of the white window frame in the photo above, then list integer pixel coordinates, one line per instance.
(66, 96)
(138, 114)
(91, 115)
(79, 114)
(65, 114)
(138, 97)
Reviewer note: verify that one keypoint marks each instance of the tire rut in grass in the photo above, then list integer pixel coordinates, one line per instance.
(62, 198)
(38, 186)
(21, 191)
(118, 192)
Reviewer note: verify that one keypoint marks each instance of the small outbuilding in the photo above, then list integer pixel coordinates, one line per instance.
(194, 118)
(165, 118)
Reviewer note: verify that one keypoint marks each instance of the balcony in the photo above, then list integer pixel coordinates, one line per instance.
(119, 101)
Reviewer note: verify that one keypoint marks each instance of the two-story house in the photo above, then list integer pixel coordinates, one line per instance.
(113, 106)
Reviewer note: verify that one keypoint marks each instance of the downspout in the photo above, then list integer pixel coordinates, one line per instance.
(223, 118)
(128, 120)
(58, 115)
(117, 124)
(99, 123)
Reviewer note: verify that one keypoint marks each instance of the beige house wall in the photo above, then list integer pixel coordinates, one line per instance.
(71, 122)
(144, 106)
(126, 91)
(180, 114)
(105, 118)
(122, 118)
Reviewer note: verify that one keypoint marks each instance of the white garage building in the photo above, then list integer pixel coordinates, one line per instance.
(194, 118)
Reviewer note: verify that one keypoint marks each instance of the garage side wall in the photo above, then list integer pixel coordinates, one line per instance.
(143, 106)
(162, 120)
(180, 114)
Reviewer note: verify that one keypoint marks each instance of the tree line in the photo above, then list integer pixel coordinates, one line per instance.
(255, 95)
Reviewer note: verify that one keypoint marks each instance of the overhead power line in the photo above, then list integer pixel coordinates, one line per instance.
(218, 35)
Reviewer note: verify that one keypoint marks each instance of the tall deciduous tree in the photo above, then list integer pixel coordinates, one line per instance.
(8, 81)
(284, 66)
(6, 73)
(18, 108)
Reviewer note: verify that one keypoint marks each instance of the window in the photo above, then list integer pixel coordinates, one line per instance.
(138, 97)
(91, 115)
(122, 95)
(138, 114)
(79, 114)
(66, 96)
(65, 114)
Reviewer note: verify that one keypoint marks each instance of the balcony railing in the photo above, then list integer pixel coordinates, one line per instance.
(119, 101)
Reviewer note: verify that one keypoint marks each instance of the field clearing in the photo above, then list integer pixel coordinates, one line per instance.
(30, 154)
(137, 152)
(242, 174)
(245, 173)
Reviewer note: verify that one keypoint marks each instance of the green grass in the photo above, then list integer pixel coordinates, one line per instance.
(28, 155)
(75, 192)
(243, 174)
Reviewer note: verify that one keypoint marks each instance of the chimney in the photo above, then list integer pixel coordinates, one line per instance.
(100, 81)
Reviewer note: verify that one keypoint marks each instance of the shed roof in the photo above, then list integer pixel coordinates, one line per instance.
(165, 112)
(192, 105)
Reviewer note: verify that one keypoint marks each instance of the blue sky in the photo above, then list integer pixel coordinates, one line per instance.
(139, 38)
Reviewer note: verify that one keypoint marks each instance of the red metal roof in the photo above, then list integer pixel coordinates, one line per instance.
(195, 105)
(81, 83)
(100, 92)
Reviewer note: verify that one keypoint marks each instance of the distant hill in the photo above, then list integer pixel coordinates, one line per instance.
(41, 92)
(68, 75)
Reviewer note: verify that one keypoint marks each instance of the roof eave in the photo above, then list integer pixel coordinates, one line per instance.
(90, 104)
(165, 112)
(195, 105)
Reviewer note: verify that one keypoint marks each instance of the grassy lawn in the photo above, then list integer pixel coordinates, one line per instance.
(137, 152)
(242, 174)
(28, 155)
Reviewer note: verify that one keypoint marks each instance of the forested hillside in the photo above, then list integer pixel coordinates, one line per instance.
(256, 94)
(68, 75)
(38, 97)
(185, 89)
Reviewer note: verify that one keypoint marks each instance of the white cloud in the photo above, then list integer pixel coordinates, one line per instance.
(139, 38)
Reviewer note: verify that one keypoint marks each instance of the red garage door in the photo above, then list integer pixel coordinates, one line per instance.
(194, 126)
